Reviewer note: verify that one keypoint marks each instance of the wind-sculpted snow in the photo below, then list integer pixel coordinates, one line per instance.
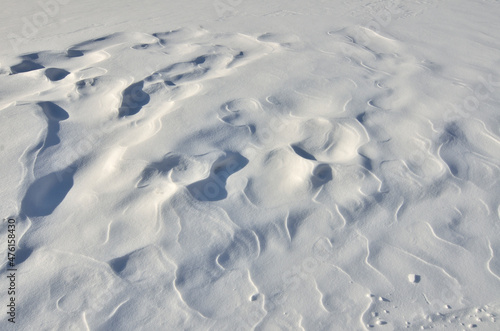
(192, 179)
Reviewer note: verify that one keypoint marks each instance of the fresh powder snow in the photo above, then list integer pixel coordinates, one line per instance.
(250, 165)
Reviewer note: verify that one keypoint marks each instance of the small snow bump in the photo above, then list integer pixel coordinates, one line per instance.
(414, 278)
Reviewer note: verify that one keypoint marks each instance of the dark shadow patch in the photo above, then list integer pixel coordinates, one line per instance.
(454, 143)
(200, 60)
(361, 117)
(322, 174)
(25, 66)
(302, 153)
(86, 83)
(119, 264)
(22, 254)
(53, 111)
(213, 188)
(453, 169)
(46, 193)
(54, 115)
(73, 53)
(55, 74)
(31, 56)
(366, 162)
(134, 98)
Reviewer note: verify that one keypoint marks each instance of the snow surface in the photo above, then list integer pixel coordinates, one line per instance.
(237, 164)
